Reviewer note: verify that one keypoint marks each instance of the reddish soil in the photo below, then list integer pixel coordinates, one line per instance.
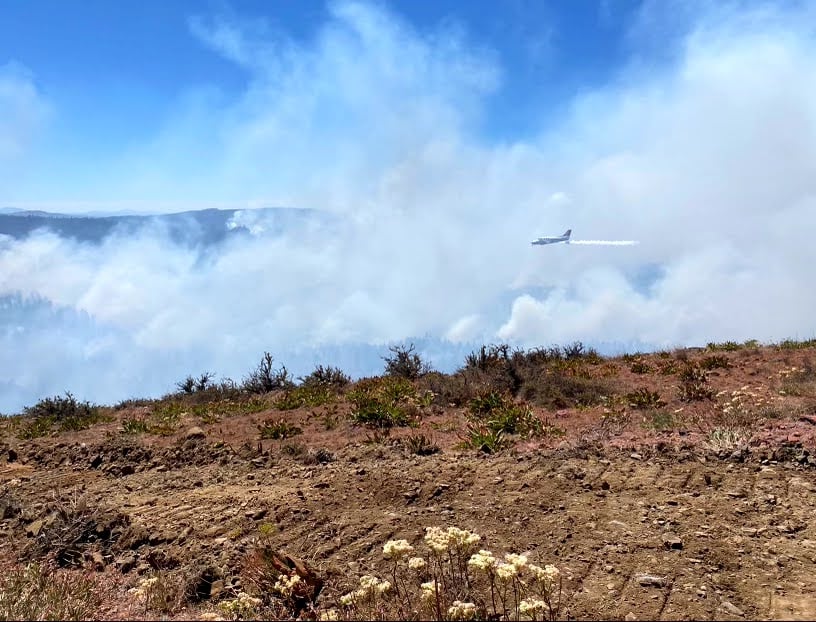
(717, 505)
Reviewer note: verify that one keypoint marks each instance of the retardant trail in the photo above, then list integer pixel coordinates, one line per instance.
(605, 242)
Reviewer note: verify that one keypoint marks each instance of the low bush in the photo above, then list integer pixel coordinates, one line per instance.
(644, 398)
(278, 429)
(307, 395)
(639, 366)
(404, 362)
(717, 361)
(65, 413)
(383, 402)
(265, 378)
(726, 346)
(326, 376)
(694, 384)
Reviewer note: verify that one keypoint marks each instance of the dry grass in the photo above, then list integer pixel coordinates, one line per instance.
(43, 592)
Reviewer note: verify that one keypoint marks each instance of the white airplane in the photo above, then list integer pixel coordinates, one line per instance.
(555, 240)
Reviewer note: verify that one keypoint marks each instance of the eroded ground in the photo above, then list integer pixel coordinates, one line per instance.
(645, 521)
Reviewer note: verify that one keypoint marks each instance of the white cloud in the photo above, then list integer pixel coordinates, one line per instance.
(22, 111)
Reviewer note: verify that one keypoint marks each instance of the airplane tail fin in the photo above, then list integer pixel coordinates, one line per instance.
(568, 233)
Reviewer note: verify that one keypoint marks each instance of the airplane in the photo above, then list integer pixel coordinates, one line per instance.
(555, 240)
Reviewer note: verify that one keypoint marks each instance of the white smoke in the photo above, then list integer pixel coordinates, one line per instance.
(605, 242)
(708, 161)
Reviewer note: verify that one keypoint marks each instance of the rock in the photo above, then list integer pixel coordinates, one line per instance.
(195, 433)
(216, 589)
(731, 609)
(651, 580)
(126, 562)
(673, 543)
(34, 529)
(97, 560)
(630, 616)
(8, 509)
(127, 469)
(635, 456)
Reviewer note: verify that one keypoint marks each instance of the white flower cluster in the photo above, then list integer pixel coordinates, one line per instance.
(243, 607)
(506, 572)
(144, 587)
(396, 549)
(370, 586)
(442, 540)
(789, 371)
(417, 563)
(547, 575)
(210, 616)
(428, 590)
(517, 561)
(330, 615)
(462, 611)
(286, 585)
(741, 400)
(531, 606)
(483, 560)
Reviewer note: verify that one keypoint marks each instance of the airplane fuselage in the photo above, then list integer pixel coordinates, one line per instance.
(555, 240)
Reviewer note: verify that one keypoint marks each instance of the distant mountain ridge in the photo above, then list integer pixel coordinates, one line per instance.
(194, 228)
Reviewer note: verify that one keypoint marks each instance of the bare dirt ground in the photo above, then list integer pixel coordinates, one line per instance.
(676, 509)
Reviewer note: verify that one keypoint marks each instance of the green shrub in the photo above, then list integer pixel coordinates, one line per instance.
(500, 414)
(382, 402)
(486, 403)
(639, 366)
(135, 425)
(489, 357)
(556, 389)
(717, 361)
(643, 398)
(67, 413)
(307, 395)
(726, 346)
(265, 378)
(791, 344)
(166, 416)
(278, 429)
(192, 385)
(485, 439)
(326, 376)
(405, 363)
(694, 384)
(660, 420)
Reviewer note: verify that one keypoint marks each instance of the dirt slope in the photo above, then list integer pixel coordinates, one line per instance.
(679, 510)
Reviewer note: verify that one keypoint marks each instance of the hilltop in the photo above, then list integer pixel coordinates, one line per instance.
(667, 485)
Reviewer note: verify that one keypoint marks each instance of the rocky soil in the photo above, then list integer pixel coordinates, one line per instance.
(645, 521)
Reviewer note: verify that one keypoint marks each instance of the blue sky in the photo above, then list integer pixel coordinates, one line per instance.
(109, 75)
